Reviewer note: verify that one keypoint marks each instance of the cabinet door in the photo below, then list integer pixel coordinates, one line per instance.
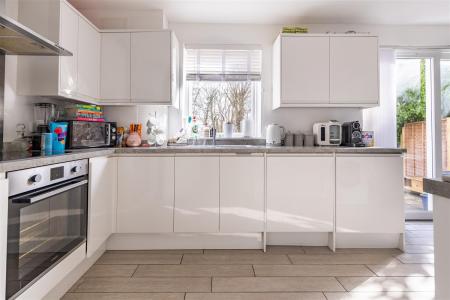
(369, 194)
(354, 70)
(68, 40)
(196, 194)
(145, 194)
(151, 67)
(102, 199)
(242, 194)
(88, 60)
(305, 70)
(300, 194)
(3, 231)
(115, 66)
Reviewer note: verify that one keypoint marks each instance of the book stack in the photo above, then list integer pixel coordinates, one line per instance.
(85, 112)
(294, 29)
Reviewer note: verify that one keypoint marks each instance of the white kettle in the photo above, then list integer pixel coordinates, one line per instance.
(274, 134)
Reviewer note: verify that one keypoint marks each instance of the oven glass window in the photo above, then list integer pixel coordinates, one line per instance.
(41, 233)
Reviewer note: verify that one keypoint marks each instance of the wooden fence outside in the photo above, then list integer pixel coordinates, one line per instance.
(413, 139)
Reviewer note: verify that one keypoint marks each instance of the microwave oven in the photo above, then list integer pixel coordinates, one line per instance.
(327, 133)
(86, 134)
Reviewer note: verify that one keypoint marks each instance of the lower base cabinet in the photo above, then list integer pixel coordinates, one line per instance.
(242, 193)
(300, 193)
(145, 194)
(102, 198)
(196, 194)
(369, 194)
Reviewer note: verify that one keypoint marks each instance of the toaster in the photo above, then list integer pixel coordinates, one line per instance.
(327, 133)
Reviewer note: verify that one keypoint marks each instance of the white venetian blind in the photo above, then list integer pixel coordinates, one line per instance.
(222, 64)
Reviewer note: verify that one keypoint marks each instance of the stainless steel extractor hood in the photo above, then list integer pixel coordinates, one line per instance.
(17, 39)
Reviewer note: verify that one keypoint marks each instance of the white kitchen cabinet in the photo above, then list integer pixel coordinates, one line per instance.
(154, 65)
(115, 67)
(304, 70)
(145, 194)
(88, 59)
(3, 231)
(102, 200)
(369, 194)
(323, 70)
(354, 70)
(73, 77)
(196, 194)
(242, 193)
(300, 193)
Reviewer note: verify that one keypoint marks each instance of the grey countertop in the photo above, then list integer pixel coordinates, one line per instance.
(30, 162)
(437, 187)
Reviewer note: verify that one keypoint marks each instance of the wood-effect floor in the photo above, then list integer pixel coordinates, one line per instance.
(284, 273)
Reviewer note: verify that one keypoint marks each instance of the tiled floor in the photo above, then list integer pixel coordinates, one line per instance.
(284, 273)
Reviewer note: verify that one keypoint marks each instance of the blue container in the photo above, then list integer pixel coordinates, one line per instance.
(59, 130)
(424, 197)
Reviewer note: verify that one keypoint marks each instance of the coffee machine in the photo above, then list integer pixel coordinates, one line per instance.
(351, 134)
(44, 113)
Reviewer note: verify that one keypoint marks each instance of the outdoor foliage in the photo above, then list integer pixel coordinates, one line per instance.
(411, 104)
(216, 104)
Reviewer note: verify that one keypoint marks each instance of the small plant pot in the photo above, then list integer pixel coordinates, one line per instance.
(227, 130)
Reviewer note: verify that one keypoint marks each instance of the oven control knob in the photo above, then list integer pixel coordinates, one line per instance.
(75, 169)
(35, 178)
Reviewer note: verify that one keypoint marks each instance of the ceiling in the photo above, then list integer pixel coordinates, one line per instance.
(408, 12)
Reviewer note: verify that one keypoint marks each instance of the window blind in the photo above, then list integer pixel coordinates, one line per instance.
(222, 64)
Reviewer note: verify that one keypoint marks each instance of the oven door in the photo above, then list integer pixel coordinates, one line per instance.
(43, 227)
(84, 134)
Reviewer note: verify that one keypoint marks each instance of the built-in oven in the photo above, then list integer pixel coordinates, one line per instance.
(47, 216)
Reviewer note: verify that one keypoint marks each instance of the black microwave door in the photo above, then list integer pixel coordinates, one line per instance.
(88, 134)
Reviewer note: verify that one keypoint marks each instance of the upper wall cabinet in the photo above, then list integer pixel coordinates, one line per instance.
(325, 71)
(75, 77)
(140, 67)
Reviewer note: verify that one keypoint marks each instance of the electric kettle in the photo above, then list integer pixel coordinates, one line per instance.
(274, 134)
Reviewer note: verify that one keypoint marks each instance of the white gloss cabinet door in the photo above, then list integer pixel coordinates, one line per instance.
(369, 194)
(115, 66)
(151, 67)
(3, 231)
(305, 70)
(102, 199)
(88, 60)
(242, 194)
(145, 194)
(68, 37)
(300, 194)
(354, 70)
(196, 194)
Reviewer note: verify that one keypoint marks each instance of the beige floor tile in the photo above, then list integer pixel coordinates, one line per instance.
(237, 259)
(122, 296)
(388, 284)
(275, 284)
(170, 251)
(193, 270)
(342, 259)
(284, 250)
(111, 271)
(312, 270)
(233, 251)
(403, 270)
(131, 258)
(419, 249)
(143, 285)
(76, 284)
(409, 258)
(256, 296)
(369, 250)
(380, 296)
(317, 250)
